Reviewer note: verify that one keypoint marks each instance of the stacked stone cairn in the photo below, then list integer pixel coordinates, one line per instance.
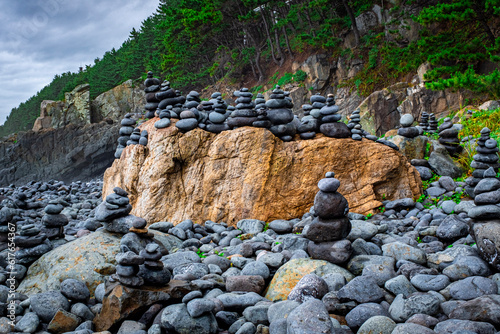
(433, 124)
(165, 116)
(486, 217)
(6, 217)
(114, 212)
(170, 97)
(192, 100)
(330, 227)
(245, 113)
(260, 102)
(424, 121)
(125, 131)
(32, 244)
(356, 132)
(330, 125)
(128, 267)
(188, 121)
(144, 138)
(262, 119)
(54, 221)
(309, 124)
(153, 272)
(448, 137)
(134, 137)
(486, 157)
(407, 130)
(152, 102)
(280, 115)
(217, 118)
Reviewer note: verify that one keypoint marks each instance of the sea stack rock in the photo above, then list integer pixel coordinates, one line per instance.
(486, 217)
(114, 212)
(448, 137)
(54, 221)
(217, 118)
(245, 114)
(330, 125)
(433, 124)
(280, 115)
(127, 127)
(407, 130)
(486, 157)
(32, 244)
(152, 86)
(330, 226)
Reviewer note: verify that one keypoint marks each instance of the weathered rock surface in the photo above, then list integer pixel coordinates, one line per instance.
(88, 259)
(67, 154)
(249, 173)
(75, 110)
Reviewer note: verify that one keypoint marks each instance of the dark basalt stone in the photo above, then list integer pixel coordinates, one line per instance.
(335, 130)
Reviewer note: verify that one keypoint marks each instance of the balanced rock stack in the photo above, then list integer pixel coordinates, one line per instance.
(165, 116)
(54, 221)
(486, 157)
(152, 86)
(406, 130)
(424, 121)
(216, 119)
(280, 115)
(169, 97)
(127, 127)
(331, 226)
(486, 217)
(153, 272)
(114, 212)
(192, 100)
(330, 125)
(245, 114)
(134, 137)
(260, 102)
(433, 124)
(144, 138)
(448, 137)
(128, 267)
(354, 126)
(32, 244)
(309, 124)
(188, 121)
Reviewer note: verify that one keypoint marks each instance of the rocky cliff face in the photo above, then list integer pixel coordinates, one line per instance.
(249, 173)
(69, 153)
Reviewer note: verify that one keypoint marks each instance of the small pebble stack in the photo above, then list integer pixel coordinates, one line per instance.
(165, 116)
(126, 130)
(188, 120)
(32, 244)
(152, 102)
(424, 121)
(245, 114)
(54, 221)
(356, 132)
(153, 271)
(406, 130)
(486, 157)
(433, 124)
(330, 125)
(331, 226)
(448, 137)
(144, 138)
(114, 211)
(217, 118)
(280, 115)
(128, 268)
(134, 137)
(309, 124)
(169, 97)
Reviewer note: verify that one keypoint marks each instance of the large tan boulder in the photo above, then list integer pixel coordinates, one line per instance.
(249, 173)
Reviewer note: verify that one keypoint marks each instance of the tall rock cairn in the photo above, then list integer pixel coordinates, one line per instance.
(152, 86)
(448, 137)
(245, 113)
(330, 226)
(280, 115)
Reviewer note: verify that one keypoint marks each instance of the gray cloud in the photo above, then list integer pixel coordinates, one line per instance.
(42, 38)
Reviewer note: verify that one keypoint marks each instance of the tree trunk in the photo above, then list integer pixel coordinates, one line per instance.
(353, 21)
(268, 33)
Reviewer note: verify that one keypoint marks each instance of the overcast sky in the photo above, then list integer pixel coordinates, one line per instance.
(42, 38)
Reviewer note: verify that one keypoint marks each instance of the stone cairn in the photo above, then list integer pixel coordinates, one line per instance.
(433, 124)
(128, 267)
(114, 211)
(188, 121)
(330, 125)
(134, 137)
(486, 217)
(170, 98)
(424, 121)
(262, 119)
(144, 138)
(309, 124)
(127, 127)
(486, 157)
(330, 226)
(165, 116)
(406, 130)
(448, 137)
(54, 221)
(152, 102)
(280, 115)
(245, 113)
(260, 102)
(32, 244)
(217, 118)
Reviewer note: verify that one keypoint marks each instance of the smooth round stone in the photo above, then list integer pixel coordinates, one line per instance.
(55, 220)
(331, 118)
(280, 116)
(275, 103)
(317, 98)
(409, 132)
(75, 290)
(187, 124)
(335, 252)
(425, 282)
(406, 120)
(308, 135)
(357, 137)
(187, 114)
(218, 128)
(240, 121)
(53, 209)
(328, 185)
(330, 205)
(127, 122)
(490, 143)
(126, 131)
(329, 110)
(377, 324)
(215, 117)
(309, 286)
(127, 271)
(335, 130)
(162, 123)
(327, 230)
(143, 141)
(449, 133)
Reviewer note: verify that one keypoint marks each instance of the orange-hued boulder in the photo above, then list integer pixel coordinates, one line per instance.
(249, 173)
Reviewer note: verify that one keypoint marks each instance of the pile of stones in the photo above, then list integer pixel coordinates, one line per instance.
(188, 120)
(486, 157)
(407, 130)
(433, 124)
(152, 101)
(54, 221)
(356, 130)
(113, 213)
(424, 121)
(330, 125)
(169, 97)
(245, 114)
(217, 118)
(165, 116)
(32, 244)
(331, 226)
(448, 137)
(126, 131)
(280, 115)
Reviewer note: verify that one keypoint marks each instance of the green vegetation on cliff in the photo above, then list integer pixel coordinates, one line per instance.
(195, 43)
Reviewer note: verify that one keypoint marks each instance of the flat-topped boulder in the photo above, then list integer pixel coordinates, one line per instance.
(250, 173)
